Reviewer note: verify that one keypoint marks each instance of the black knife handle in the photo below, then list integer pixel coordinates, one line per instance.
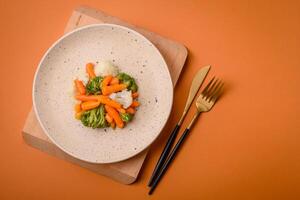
(169, 160)
(164, 154)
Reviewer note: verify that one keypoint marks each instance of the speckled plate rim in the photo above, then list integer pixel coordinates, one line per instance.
(57, 42)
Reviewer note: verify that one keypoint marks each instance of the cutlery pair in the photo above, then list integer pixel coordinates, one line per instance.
(204, 103)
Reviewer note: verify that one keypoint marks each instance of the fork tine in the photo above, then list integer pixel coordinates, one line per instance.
(209, 92)
(211, 89)
(214, 90)
(207, 87)
(218, 93)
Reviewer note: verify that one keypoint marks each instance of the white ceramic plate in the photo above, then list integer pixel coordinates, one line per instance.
(53, 92)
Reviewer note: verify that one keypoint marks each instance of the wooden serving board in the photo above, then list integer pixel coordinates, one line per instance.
(126, 171)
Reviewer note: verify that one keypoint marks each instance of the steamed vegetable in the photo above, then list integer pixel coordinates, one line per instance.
(90, 70)
(121, 110)
(78, 115)
(128, 80)
(87, 97)
(130, 110)
(108, 118)
(106, 90)
(135, 95)
(105, 98)
(126, 117)
(113, 125)
(115, 115)
(93, 86)
(114, 81)
(104, 68)
(98, 98)
(124, 97)
(135, 104)
(88, 105)
(107, 101)
(94, 118)
(79, 86)
(77, 107)
(106, 81)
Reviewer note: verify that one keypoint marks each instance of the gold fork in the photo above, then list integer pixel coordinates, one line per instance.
(204, 103)
(207, 98)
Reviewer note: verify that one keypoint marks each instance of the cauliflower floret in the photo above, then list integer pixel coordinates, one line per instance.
(104, 68)
(124, 98)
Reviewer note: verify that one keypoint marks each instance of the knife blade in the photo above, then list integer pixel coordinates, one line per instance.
(195, 86)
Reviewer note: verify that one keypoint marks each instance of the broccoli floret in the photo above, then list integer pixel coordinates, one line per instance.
(93, 86)
(129, 81)
(126, 117)
(94, 118)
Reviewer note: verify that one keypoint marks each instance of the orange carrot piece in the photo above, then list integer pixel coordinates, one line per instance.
(107, 101)
(101, 98)
(87, 98)
(80, 86)
(135, 95)
(78, 115)
(115, 115)
(113, 124)
(108, 118)
(90, 70)
(106, 90)
(77, 107)
(106, 80)
(88, 105)
(135, 104)
(114, 81)
(130, 110)
(121, 110)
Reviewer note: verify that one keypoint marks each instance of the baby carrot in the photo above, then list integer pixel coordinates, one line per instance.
(121, 110)
(90, 70)
(78, 115)
(106, 80)
(135, 104)
(102, 99)
(130, 110)
(113, 124)
(88, 105)
(106, 90)
(114, 81)
(87, 98)
(108, 118)
(77, 107)
(80, 86)
(107, 101)
(115, 115)
(135, 95)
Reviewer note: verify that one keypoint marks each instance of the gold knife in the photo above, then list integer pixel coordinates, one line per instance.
(196, 84)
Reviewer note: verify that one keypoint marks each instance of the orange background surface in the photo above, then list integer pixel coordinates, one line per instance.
(248, 147)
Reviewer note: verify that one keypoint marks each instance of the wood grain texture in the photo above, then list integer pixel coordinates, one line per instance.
(127, 171)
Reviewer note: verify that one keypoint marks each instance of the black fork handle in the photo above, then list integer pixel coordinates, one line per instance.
(169, 160)
(164, 154)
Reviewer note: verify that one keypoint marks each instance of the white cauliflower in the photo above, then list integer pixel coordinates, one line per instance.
(104, 68)
(124, 98)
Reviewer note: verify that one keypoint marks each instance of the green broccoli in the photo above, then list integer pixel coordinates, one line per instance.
(126, 117)
(93, 86)
(94, 118)
(128, 80)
